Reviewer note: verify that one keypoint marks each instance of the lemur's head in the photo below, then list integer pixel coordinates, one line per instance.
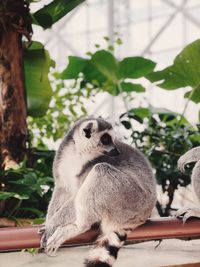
(94, 136)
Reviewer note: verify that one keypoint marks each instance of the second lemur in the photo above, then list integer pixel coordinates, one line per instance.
(98, 179)
(192, 155)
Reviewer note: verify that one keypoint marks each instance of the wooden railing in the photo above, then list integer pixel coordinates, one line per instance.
(16, 238)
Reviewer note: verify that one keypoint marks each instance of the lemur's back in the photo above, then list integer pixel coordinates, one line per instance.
(129, 160)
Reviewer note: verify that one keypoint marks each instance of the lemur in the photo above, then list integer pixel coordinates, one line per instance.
(192, 155)
(98, 179)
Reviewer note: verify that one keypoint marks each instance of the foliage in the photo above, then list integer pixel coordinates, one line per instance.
(26, 191)
(185, 71)
(37, 63)
(81, 81)
(103, 71)
(67, 105)
(51, 13)
(165, 137)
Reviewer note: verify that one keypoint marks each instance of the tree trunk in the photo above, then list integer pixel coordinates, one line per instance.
(13, 128)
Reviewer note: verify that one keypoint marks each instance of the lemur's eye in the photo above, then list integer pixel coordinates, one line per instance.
(106, 139)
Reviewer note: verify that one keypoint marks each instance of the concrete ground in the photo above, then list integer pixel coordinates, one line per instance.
(169, 252)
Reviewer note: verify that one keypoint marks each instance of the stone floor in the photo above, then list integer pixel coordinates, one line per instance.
(169, 252)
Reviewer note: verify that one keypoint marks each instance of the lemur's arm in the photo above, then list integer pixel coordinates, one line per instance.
(192, 155)
(59, 196)
(60, 192)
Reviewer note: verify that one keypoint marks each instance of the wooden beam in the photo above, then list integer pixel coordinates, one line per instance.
(16, 238)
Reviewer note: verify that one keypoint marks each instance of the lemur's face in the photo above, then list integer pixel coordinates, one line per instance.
(95, 136)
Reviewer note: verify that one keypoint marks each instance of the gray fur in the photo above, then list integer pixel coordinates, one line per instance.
(91, 186)
(103, 125)
(192, 155)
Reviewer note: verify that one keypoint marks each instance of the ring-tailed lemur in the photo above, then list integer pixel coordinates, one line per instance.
(97, 179)
(192, 155)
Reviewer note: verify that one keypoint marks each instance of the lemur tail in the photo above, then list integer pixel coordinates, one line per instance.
(105, 252)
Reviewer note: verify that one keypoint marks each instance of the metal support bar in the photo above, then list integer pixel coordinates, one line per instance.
(68, 45)
(185, 13)
(163, 27)
(111, 25)
(16, 238)
(111, 20)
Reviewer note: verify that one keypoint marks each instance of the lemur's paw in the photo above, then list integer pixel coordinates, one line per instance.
(181, 164)
(43, 241)
(54, 242)
(187, 212)
(47, 232)
(41, 230)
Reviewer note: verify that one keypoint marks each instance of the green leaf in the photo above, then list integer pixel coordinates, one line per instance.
(107, 64)
(169, 78)
(74, 67)
(132, 87)
(38, 221)
(126, 124)
(162, 111)
(51, 13)
(93, 75)
(119, 41)
(166, 115)
(194, 94)
(111, 88)
(185, 71)
(6, 195)
(135, 67)
(141, 112)
(37, 63)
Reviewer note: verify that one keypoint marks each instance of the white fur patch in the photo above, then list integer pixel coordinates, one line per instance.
(114, 240)
(100, 254)
(69, 166)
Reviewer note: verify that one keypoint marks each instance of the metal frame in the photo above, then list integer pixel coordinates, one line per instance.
(112, 5)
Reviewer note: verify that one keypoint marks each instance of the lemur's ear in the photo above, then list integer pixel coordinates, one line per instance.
(88, 130)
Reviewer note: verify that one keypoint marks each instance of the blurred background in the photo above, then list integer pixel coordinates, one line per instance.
(156, 29)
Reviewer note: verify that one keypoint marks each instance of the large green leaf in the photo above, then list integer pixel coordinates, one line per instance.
(107, 64)
(135, 67)
(185, 71)
(54, 11)
(93, 75)
(104, 71)
(78, 65)
(37, 63)
(74, 67)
